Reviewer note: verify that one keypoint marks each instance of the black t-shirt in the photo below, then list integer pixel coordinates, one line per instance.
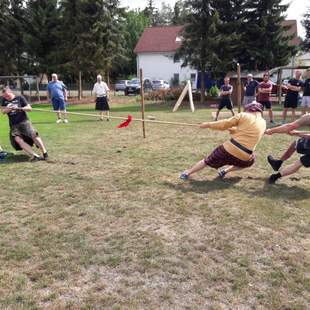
(291, 93)
(16, 117)
(307, 87)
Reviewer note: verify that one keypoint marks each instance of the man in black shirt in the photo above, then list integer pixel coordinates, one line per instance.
(22, 133)
(305, 104)
(291, 100)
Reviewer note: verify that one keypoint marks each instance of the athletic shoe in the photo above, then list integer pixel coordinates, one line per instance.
(45, 156)
(274, 177)
(66, 121)
(272, 122)
(222, 173)
(274, 163)
(3, 154)
(184, 176)
(59, 121)
(35, 158)
(108, 119)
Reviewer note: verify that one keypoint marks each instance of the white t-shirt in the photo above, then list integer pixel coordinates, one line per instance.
(100, 89)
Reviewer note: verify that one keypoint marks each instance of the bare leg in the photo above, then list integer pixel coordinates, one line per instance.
(284, 114)
(217, 114)
(291, 169)
(270, 115)
(58, 114)
(197, 167)
(101, 115)
(232, 168)
(38, 141)
(289, 152)
(65, 114)
(293, 115)
(26, 147)
(108, 115)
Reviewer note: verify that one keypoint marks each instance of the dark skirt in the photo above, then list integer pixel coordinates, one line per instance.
(102, 104)
(220, 157)
(26, 131)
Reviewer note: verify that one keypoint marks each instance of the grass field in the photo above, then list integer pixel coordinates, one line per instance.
(107, 224)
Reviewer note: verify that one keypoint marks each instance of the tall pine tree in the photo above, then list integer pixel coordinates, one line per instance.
(200, 38)
(306, 24)
(42, 36)
(263, 43)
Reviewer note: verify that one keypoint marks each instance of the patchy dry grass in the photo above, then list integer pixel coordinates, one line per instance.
(108, 225)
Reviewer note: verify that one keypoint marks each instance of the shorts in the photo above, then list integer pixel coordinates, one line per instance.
(291, 102)
(305, 103)
(248, 99)
(225, 103)
(102, 104)
(266, 104)
(26, 131)
(220, 157)
(58, 104)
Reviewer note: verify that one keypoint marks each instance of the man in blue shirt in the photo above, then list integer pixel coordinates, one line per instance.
(57, 92)
(250, 88)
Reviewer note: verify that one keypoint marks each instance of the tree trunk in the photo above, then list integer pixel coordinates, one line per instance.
(80, 90)
(202, 87)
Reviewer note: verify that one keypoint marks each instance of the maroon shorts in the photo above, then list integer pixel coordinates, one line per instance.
(220, 157)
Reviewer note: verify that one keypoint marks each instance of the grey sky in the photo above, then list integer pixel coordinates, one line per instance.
(295, 11)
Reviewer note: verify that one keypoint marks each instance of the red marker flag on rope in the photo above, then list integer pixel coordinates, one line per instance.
(126, 123)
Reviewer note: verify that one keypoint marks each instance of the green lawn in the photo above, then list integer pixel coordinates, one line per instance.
(107, 224)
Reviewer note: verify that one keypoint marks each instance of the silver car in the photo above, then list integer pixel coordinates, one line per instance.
(160, 84)
(121, 85)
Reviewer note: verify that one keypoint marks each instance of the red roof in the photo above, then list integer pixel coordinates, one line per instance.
(159, 39)
(163, 39)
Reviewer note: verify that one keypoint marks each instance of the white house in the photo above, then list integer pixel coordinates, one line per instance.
(155, 55)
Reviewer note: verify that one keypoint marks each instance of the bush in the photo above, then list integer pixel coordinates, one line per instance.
(214, 91)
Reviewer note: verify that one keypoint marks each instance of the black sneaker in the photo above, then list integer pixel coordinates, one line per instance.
(274, 163)
(274, 177)
(45, 156)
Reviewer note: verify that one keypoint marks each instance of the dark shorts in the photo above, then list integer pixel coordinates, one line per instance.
(102, 104)
(26, 131)
(225, 103)
(291, 102)
(220, 157)
(58, 104)
(301, 148)
(266, 104)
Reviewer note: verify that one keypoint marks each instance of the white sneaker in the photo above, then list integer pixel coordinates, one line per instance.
(66, 121)
(59, 121)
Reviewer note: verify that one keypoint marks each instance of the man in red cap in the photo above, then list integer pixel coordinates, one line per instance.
(246, 130)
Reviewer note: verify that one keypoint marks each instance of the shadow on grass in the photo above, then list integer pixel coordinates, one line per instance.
(205, 186)
(13, 159)
(70, 121)
(279, 191)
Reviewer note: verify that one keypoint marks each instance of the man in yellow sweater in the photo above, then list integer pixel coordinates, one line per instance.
(246, 131)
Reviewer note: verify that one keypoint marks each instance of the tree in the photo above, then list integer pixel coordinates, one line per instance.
(151, 12)
(306, 24)
(42, 36)
(200, 38)
(264, 44)
(12, 26)
(165, 15)
(179, 13)
(230, 29)
(135, 23)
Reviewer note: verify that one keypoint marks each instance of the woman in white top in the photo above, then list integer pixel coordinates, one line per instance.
(101, 93)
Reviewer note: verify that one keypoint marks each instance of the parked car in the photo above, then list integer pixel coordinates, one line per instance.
(121, 85)
(134, 86)
(160, 84)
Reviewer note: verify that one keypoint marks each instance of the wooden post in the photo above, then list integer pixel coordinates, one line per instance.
(80, 85)
(239, 87)
(142, 102)
(280, 72)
